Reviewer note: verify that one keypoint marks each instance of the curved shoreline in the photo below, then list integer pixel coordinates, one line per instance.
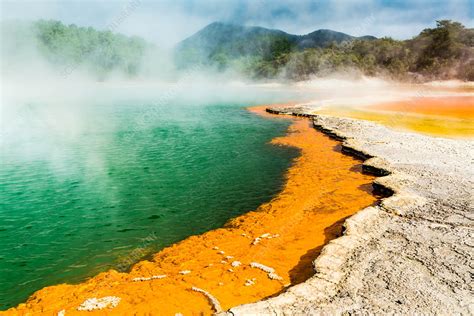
(382, 263)
(280, 227)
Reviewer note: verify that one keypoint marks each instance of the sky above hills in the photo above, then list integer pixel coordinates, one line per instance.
(168, 21)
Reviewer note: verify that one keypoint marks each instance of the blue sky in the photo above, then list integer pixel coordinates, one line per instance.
(167, 21)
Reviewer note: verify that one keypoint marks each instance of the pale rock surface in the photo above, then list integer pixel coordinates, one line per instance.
(412, 253)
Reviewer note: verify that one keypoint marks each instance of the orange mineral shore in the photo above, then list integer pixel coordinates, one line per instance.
(451, 116)
(460, 107)
(254, 256)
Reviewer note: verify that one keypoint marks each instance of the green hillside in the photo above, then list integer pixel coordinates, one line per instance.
(443, 52)
(69, 47)
(228, 45)
(103, 50)
(220, 44)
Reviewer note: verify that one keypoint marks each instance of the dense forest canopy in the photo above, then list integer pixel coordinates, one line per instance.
(443, 52)
(104, 51)
(67, 48)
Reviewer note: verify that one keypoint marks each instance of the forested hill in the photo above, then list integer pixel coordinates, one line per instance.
(443, 52)
(69, 47)
(221, 43)
(218, 42)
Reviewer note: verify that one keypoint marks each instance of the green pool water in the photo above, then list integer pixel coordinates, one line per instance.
(85, 191)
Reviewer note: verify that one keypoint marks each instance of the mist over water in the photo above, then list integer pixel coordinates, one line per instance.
(91, 173)
(96, 174)
(111, 152)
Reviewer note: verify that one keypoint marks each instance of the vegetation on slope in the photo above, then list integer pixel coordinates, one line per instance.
(69, 47)
(444, 52)
(242, 47)
(102, 50)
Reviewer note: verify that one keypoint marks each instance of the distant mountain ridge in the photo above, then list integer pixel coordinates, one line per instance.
(324, 37)
(443, 52)
(220, 40)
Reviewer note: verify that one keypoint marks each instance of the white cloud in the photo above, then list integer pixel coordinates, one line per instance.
(167, 22)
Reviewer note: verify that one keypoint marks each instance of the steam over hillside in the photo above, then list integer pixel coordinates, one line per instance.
(444, 52)
(219, 42)
(52, 48)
